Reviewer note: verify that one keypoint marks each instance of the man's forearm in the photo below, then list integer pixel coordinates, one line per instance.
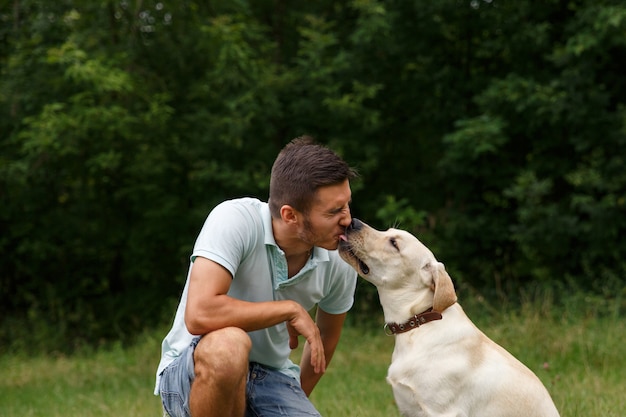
(308, 377)
(224, 311)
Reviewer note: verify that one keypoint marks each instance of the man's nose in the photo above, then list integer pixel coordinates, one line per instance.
(346, 220)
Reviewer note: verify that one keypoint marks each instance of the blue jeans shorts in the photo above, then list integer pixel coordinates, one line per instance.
(269, 393)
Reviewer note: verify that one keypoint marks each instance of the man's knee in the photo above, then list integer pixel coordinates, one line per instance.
(223, 353)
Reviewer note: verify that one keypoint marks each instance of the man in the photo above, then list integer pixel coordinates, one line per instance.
(256, 270)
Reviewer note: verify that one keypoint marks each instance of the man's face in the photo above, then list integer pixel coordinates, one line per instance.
(329, 216)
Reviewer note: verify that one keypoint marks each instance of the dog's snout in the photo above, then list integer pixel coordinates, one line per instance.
(355, 224)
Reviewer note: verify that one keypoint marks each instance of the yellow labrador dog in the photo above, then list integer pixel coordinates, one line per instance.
(442, 364)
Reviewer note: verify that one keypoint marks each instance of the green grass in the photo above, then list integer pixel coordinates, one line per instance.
(582, 361)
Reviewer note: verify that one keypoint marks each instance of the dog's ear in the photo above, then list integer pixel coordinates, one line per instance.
(445, 295)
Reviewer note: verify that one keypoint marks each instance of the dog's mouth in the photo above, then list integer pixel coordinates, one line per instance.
(346, 248)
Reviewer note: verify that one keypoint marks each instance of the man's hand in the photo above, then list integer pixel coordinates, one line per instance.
(302, 324)
(209, 308)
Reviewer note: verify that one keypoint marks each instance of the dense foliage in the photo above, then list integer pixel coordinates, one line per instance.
(493, 129)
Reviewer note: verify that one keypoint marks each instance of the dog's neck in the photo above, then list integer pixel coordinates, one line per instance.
(399, 305)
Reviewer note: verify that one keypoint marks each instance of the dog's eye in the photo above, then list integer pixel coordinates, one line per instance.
(394, 243)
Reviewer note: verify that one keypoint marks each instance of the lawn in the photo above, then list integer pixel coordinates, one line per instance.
(580, 358)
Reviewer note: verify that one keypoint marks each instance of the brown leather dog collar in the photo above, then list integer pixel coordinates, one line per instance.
(412, 323)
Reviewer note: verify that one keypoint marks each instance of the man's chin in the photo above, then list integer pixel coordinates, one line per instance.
(330, 246)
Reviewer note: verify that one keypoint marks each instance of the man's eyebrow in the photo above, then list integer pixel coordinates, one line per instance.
(338, 209)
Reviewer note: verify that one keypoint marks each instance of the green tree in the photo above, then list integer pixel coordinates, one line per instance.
(546, 191)
(494, 130)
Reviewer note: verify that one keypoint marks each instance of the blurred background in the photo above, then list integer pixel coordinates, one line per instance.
(494, 130)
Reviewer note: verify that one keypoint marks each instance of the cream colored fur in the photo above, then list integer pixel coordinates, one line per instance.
(446, 367)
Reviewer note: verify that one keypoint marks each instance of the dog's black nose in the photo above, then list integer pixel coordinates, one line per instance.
(355, 224)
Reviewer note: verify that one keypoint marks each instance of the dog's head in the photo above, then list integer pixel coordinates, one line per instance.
(395, 260)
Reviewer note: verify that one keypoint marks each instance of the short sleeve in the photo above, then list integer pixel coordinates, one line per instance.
(340, 295)
(227, 235)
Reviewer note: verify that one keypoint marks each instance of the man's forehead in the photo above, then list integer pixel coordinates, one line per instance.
(333, 196)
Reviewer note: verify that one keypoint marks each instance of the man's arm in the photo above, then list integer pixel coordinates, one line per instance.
(210, 308)
(330, 326)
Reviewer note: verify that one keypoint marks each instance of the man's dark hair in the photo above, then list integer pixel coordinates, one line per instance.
(300, 168)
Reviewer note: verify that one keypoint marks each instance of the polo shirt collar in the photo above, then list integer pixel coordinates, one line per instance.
(319, 254)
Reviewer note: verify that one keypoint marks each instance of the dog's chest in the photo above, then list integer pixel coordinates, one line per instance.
(423, 370)
(426, 367)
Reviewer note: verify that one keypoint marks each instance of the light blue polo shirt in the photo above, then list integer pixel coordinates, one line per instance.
(238, 235)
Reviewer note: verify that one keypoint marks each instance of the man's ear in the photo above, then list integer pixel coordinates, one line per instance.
(288, 214)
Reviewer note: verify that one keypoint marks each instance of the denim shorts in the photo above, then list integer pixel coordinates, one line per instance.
(269, 392)
(175, 384)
